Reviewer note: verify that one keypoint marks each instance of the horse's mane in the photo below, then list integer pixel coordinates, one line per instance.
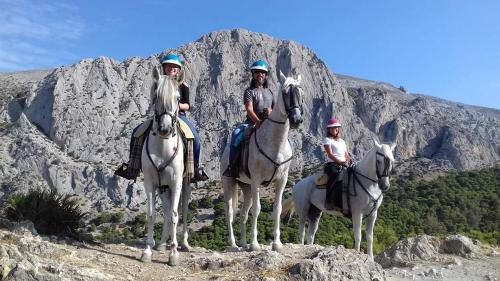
(167, 92)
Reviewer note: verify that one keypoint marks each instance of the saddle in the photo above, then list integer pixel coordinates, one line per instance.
(321, 179)
(139, 137)
(337, 196)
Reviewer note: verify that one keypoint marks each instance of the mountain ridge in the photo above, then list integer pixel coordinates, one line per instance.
(70, 128)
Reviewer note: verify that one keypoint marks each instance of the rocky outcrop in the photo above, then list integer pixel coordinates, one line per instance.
(70, 127)
(27, 257)
(427, 248)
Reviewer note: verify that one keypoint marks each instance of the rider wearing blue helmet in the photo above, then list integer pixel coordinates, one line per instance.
(172, 66)
(259, 102)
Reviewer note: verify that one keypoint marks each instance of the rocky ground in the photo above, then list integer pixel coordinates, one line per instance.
(24, 255)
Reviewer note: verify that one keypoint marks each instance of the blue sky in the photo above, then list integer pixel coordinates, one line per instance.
(448, 49)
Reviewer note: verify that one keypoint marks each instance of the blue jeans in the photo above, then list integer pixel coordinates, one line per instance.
(236, 138)
(196, 144)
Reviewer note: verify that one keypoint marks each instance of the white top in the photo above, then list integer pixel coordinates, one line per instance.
(339, 148)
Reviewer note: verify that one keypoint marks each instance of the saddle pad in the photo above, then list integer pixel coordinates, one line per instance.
(142, 128)
(186, 130)
(321, 179)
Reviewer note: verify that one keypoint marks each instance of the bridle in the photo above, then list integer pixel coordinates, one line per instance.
(291, 100)
(385, 173)
(175, 121)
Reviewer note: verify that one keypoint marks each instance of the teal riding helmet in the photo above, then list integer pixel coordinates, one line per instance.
(260, 65)
(173, 59)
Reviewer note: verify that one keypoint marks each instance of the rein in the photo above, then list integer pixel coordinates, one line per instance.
(164, 165)
(385, 173)
(276, 164)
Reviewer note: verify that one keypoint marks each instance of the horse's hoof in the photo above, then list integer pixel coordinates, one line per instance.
(161, 247)
(186, 248)
(277, 247)
(254, 247)
(146, 257)
(233, 249)
(173, 259)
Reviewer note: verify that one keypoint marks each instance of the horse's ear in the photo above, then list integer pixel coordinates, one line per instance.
(156, 74)
(299, 78)
(393, 145)
(282, 77)
(375, 142)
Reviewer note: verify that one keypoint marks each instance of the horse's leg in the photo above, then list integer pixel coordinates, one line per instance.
(254, 246)
(186, 196)
(230, 188)
(356, 225)
(313, 226)
(175, 194)
(302, 224)
(370, 223)
(247, 203)
(162, 246)
(278, 195)
(150, 215)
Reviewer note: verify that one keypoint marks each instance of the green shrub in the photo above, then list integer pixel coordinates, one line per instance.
(206, 202)
(108, 217)
(51, 213)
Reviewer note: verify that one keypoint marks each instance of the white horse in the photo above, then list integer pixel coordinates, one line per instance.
(163, 168)
(365, 193)
(268, 162)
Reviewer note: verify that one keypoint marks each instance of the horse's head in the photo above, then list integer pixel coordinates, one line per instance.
(384, 161)
(166, 106)
(292, 99)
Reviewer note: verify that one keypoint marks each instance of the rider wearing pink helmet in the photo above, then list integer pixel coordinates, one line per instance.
(338, 158)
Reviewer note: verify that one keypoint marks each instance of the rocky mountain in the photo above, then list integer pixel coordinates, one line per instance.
(69, 128)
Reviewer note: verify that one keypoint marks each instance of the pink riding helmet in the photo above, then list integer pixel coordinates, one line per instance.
(332, 123)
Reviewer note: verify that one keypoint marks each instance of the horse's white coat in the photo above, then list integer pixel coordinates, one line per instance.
(273, 140)
(306, 194)
(162, 148)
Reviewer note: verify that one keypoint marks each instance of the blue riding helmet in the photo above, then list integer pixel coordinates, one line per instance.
(260, 65)
(173, 59)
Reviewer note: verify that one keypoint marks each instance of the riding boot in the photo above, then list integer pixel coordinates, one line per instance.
(233, 170)
(200, 175)
(127, 172)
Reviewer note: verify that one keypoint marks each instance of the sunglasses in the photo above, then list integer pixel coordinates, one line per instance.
(258, 71)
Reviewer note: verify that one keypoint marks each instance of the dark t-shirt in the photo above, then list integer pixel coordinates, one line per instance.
(261, 98)
(184, 92)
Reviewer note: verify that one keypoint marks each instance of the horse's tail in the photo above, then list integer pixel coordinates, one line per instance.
(288, 208)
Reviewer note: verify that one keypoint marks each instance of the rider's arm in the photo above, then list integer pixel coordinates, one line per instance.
(251, 113)
(184, 100)
(330, 155)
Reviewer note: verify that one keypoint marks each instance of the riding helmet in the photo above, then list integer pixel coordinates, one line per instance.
(332, 123)
(173, 59)
(260, 65)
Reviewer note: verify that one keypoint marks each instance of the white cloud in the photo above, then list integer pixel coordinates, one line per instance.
(34, 34)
